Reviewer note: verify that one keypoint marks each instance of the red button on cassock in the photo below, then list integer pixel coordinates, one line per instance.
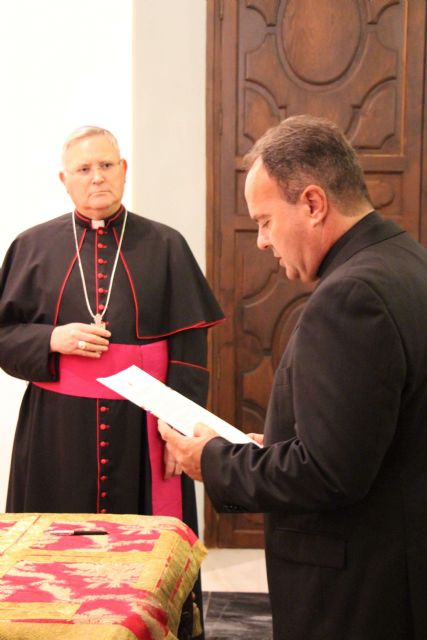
(104, 426)
(103, 409)
(104, 443)
(104, 460)
(101, 245)
(103, 478)
(104, 494)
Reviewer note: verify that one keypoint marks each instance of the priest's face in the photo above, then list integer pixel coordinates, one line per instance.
(94, 176)
(289, 230)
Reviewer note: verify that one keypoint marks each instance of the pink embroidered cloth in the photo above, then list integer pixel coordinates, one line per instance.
(129, 581)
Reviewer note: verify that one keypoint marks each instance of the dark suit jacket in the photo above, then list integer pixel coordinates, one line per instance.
(343, 478)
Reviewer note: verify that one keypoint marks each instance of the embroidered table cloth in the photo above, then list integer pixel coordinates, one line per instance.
(81, 576)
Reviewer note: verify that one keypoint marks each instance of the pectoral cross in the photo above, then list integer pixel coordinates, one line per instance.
(98, 322)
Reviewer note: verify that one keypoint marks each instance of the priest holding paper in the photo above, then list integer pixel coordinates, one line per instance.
(342, 478)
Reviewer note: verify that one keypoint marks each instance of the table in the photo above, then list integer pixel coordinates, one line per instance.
(129, 581)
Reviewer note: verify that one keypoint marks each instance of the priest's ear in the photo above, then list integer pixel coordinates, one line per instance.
(316, 203)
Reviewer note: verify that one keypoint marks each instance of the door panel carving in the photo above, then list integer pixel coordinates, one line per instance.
(357, 62)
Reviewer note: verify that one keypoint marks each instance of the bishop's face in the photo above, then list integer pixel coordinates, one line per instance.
(94, 176)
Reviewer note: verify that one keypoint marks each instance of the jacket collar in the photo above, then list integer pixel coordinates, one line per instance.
(368, 231)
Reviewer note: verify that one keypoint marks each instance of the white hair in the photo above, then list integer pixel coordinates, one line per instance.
(88, 132)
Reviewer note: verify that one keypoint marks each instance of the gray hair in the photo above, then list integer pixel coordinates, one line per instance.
(87, 132)
(304, 149)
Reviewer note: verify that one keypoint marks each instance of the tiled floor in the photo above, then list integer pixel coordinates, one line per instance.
(236, 604)
(237, 616)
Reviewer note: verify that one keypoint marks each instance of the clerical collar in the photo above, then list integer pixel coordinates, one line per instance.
(97, 224)
(341, 242)
(112, 220)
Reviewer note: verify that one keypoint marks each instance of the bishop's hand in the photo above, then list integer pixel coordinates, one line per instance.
(79, 339)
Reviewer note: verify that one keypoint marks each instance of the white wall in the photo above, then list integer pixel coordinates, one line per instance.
(169, 123)
(169, 117)
(62, 65)
(137, 68)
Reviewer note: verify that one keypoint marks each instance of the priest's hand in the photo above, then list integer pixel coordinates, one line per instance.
(172, 467)
(257, 437)
(185, 450)
(80, 339)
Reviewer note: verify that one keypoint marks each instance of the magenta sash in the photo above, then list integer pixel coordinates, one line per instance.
(77, 377)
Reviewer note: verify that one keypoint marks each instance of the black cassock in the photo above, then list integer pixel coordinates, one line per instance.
(78, 454)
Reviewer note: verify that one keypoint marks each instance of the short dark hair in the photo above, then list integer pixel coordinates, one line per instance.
(303, 149)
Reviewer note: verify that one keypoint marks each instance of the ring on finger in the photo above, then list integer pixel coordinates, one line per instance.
(81, 345)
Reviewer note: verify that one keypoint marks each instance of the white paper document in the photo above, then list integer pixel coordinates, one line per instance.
(179, 412)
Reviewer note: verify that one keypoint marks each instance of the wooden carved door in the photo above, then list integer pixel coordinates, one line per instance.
(357, 62)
